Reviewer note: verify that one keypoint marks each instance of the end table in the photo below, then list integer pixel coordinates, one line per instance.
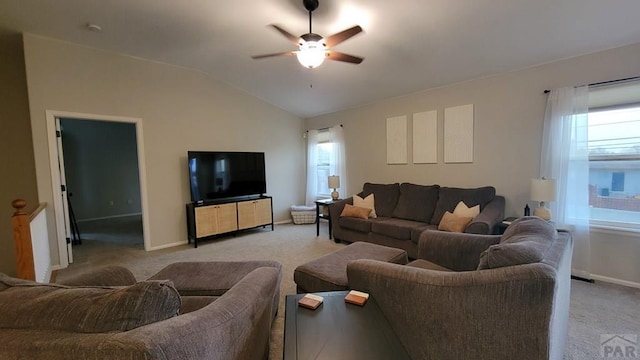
(320, 206)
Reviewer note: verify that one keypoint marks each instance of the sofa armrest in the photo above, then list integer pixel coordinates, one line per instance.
(455, 251)
(235, 326)
(107, 276)
(335, 209)
(504, 312)
(486, 221)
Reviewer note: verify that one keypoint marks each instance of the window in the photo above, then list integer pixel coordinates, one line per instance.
(324, 153)
(614, 155)
(325, 157)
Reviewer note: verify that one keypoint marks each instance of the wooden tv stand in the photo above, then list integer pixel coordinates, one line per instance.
(212, 219)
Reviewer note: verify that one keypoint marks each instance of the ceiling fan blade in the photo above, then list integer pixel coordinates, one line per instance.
(286, 53)
(336, 39)
(288, 35)
(338, 56)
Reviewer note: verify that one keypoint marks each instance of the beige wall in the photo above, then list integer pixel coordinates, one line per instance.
(184, 109)
(18, 179)
(181, 110)
(509, 112)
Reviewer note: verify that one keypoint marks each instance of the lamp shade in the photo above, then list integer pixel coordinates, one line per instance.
(543, 189)
(334, 182)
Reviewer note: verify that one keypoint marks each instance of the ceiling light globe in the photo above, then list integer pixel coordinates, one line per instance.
(311, 54)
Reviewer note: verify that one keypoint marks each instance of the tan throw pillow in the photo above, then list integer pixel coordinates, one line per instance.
(355, 212)
(368, 202)
(464, 211)
(453, 223)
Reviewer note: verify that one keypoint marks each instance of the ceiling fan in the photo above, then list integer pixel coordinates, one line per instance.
(313, 48)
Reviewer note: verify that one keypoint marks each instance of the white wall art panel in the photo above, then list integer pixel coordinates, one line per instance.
(397, 140)
(425, 137)
(458, 134)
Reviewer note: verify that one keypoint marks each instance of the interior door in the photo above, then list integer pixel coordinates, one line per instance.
(63, 190)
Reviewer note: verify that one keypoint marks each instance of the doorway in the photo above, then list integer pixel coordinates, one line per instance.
(103, 186)
(99, 165)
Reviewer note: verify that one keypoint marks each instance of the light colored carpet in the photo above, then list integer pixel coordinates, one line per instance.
(596, 309)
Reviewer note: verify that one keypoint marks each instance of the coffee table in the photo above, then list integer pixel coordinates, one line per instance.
(338, 330)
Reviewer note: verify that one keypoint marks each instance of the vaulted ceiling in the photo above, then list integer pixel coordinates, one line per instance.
(408, 45)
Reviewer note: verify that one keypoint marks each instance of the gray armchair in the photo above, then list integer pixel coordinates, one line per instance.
(441, 307)
(229, 317)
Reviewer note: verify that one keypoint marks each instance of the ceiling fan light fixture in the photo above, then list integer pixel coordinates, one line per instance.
(313, 48)
(311, 53)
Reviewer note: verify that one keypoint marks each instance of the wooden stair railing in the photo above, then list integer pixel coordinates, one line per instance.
(22, 239)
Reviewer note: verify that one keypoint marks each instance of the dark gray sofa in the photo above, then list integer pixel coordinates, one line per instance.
(477, 296)
(406, 210)
(106, 314)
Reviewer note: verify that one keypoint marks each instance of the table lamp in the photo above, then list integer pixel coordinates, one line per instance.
(334, 183)
(543, 190)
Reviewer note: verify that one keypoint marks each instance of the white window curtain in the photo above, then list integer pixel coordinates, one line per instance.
(565, 158)
(312, 167)
(336, 160)
(337, 163)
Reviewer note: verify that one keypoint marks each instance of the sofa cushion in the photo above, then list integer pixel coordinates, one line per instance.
(386, 197)
(454, 223)
(368, 202)
(31, 305)
(355, 224)
(417, 231)
(395, 228)
(355, 212)
(449, 197)
(527, 228)
(193, 303)
(511, 254)
(416, 202)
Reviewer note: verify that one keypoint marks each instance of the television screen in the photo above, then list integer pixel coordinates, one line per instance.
(219, 175)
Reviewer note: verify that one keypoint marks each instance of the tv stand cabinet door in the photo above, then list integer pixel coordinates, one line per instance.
(215, 219)
(264, 212)
(227, 218)
(246, 214)
(254, 213)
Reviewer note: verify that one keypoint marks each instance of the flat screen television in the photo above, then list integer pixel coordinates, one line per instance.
(217, 175)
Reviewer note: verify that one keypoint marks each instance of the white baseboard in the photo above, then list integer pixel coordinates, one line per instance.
(581, 274)
(182, 242)
(165, 246)
(615, 281)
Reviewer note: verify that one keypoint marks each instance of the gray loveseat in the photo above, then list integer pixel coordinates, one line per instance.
(405, 210)
(477, 296)
(106, 314)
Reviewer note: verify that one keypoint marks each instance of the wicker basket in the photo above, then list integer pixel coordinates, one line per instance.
(303, 214)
